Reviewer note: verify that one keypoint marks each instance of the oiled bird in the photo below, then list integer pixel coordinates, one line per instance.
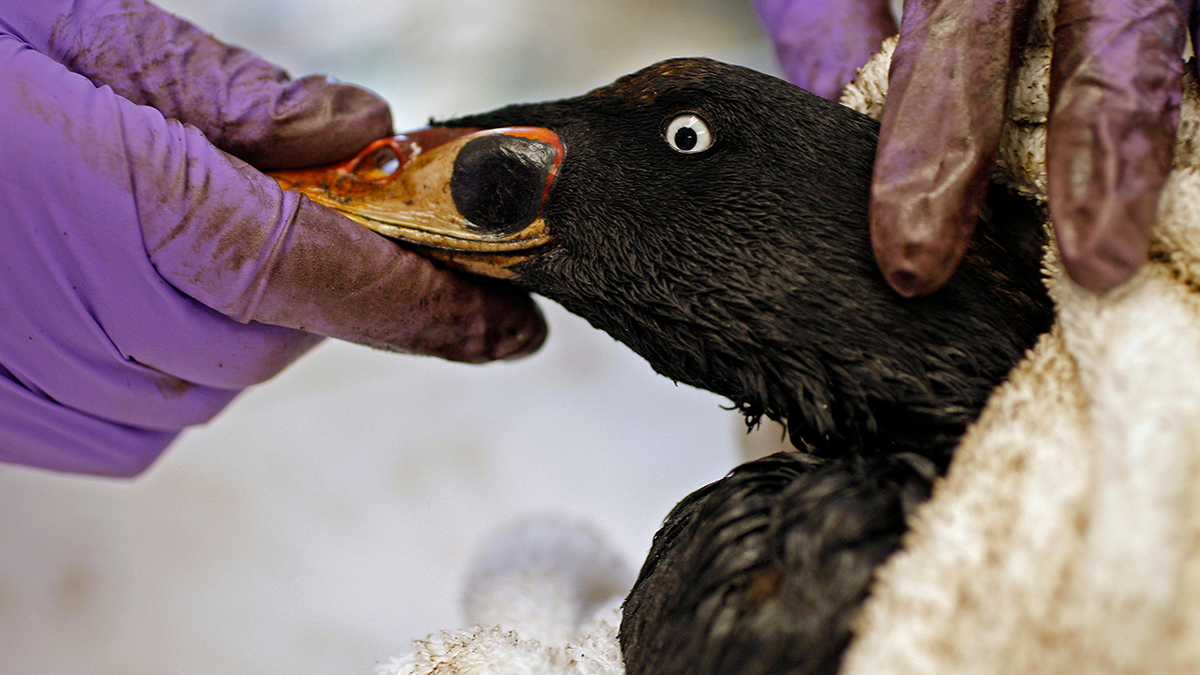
(714, 219)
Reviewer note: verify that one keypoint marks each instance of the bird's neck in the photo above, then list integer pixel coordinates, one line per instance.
(899, 375)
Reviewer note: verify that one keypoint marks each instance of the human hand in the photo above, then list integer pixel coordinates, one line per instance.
(1115, 92)
(148, 275)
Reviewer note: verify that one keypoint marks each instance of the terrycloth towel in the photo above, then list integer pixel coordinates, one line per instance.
(542, 598)
(1066, 536)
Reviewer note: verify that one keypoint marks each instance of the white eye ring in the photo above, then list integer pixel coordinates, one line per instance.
(689, 134)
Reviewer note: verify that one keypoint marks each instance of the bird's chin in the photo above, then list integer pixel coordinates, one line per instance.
(414, 188)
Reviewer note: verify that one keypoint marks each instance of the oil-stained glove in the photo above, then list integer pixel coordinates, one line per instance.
(149, 276)
(1115, 92)
(1114, 109)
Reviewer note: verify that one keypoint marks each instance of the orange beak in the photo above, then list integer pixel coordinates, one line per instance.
(469, 197)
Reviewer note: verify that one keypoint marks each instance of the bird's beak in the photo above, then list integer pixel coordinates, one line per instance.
(469, 197)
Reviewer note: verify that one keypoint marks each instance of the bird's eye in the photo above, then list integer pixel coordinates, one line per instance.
(689, 134)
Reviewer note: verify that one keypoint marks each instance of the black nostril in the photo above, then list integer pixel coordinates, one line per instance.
(499, 181)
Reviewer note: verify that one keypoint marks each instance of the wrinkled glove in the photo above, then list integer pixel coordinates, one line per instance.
(148, 276)
(1114, 101)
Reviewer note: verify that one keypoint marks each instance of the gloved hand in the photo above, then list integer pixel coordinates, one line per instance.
(148, 276)
(1114, 100)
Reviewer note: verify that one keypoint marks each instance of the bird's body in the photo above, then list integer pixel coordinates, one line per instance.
(733, 254)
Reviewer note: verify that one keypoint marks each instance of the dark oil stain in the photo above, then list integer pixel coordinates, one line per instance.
(171, 386)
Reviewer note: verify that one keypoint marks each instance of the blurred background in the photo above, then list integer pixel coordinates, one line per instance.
(326, 518)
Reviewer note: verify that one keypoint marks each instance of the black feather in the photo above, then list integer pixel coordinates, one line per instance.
(762, 573)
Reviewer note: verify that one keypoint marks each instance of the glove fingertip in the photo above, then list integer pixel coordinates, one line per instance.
(1100, 249)
(1099, 275)
(525, 336)
(482, 321)
(318, 120)
(916, 268)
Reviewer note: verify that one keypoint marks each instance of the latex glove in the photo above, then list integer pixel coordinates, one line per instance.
(148, 276)
(1115, 91)
(821, 43)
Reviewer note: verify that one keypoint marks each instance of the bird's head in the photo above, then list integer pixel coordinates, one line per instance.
(713, 219)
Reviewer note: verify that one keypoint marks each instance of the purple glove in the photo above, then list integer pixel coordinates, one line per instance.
(821, 43)
(148, 277)
(1114, 100)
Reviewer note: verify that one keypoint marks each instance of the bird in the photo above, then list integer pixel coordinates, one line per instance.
(714, 219)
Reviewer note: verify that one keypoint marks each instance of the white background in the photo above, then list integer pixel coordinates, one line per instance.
(325, 519)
